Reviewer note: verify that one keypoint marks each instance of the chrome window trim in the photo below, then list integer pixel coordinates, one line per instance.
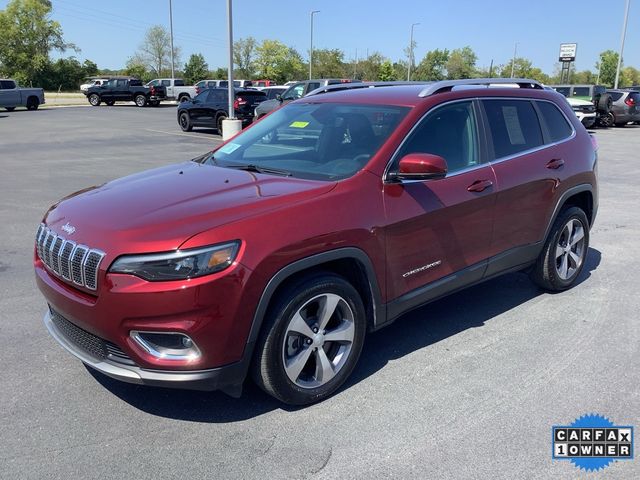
(386, 180)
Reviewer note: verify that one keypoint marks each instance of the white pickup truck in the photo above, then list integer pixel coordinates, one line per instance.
(12, 96)
(176, 89)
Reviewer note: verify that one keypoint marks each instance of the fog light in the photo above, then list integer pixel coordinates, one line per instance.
(167, 345)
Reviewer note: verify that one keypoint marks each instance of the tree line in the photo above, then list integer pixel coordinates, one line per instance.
(29, 36)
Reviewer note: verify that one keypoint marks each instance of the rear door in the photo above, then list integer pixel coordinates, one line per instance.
(528, 158)
(437, 228)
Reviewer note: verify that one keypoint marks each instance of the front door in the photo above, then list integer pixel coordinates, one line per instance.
(437, 228)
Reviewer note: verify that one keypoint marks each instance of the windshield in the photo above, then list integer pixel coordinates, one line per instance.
(323, 141)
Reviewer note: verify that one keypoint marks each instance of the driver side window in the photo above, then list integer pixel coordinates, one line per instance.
(294, 93)
(449, 131)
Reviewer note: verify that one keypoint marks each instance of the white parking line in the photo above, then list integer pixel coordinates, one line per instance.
(193, 135)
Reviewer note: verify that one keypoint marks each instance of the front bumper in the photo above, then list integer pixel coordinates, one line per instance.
(228, 378)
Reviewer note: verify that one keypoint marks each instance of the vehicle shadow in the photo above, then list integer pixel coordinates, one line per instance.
(416, 330)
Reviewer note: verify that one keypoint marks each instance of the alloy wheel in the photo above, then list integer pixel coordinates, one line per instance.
(318, 340)
(570, 249)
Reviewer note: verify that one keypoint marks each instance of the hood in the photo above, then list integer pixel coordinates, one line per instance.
(160, 209)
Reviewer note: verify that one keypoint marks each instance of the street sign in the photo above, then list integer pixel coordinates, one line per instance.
(568, 52)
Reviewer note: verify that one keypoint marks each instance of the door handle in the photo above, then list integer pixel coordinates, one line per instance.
(479, 185)
(555, 163)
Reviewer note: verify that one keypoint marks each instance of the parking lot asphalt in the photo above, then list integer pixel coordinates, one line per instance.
(466, 387)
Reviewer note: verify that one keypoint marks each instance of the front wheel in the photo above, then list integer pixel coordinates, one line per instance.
(311, 340)
(562, 258)
(140, 100)
(94, 100)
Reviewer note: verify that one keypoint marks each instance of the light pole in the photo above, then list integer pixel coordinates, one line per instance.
(410, 52)
(311, 14)
(624, 34)
(230, 88)
(513, 62)
(173, 73)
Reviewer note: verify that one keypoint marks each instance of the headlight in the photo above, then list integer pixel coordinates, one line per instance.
(179, 264)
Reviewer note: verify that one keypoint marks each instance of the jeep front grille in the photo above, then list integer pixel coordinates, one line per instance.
(75, 263)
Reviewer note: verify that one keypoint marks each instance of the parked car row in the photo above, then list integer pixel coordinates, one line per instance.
(126, 89)
(611, 106)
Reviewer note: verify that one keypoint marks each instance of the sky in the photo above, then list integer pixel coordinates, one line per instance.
(109, 32)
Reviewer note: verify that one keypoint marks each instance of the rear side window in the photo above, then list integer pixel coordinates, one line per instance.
(217, 95)
(615, 96)
(312, 86)
(563, 90)
(514, 126)
(450, 132)
(7, 84)
(556, 123)
(179, 83)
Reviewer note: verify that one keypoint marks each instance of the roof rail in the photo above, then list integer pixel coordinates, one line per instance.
(351, 85)
(447, 85)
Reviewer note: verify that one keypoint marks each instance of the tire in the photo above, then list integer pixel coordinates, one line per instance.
(111, 103)
(219, 121)
(94, 100)
(620, 124)
(184, 98)
(155, 103)
(604, 103)
(289, 334)
(556, 268)
(140, 100)
(32, 103)
(9, 109)
(606, 120)
(185, 122)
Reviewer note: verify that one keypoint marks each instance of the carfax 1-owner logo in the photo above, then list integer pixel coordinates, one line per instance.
(592, 442)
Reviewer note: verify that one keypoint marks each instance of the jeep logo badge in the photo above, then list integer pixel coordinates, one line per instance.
(68, 228)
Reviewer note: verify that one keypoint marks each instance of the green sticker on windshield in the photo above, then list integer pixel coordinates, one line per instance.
(299, 124)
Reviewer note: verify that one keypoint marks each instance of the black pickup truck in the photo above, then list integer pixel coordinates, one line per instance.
(125, 90)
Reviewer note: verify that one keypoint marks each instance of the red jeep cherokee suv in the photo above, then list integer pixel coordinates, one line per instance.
(274, 254)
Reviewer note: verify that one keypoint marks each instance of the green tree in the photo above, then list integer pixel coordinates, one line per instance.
(607, 65)
(630, 76)
(276, 61)
(195, 69)
(461, 63)
(244, 53)
(136, 67)
(523, 68)
(28, 36)
(328, 63)
(369, 68)
(386, 72)
(433, 65)
(155, 51)
(219, 73)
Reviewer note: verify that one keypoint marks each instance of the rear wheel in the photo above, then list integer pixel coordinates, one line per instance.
(94, 99)
(606, 120)
(111, 103)
(33, 103)
(185, 122)
(219, 121)
(140, 100)
(311, 341)
(564, 252)
(184, 98)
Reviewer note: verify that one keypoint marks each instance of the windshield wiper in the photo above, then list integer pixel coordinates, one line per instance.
(255, 168)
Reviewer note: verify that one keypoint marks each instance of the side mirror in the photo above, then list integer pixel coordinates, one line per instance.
(279, 97)
(420, 166)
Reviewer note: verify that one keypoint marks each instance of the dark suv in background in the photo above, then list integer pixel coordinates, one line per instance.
(276, 253)
(211, 106)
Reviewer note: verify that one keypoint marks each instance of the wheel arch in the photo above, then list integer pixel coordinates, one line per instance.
(578, 196)
(350, 263)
